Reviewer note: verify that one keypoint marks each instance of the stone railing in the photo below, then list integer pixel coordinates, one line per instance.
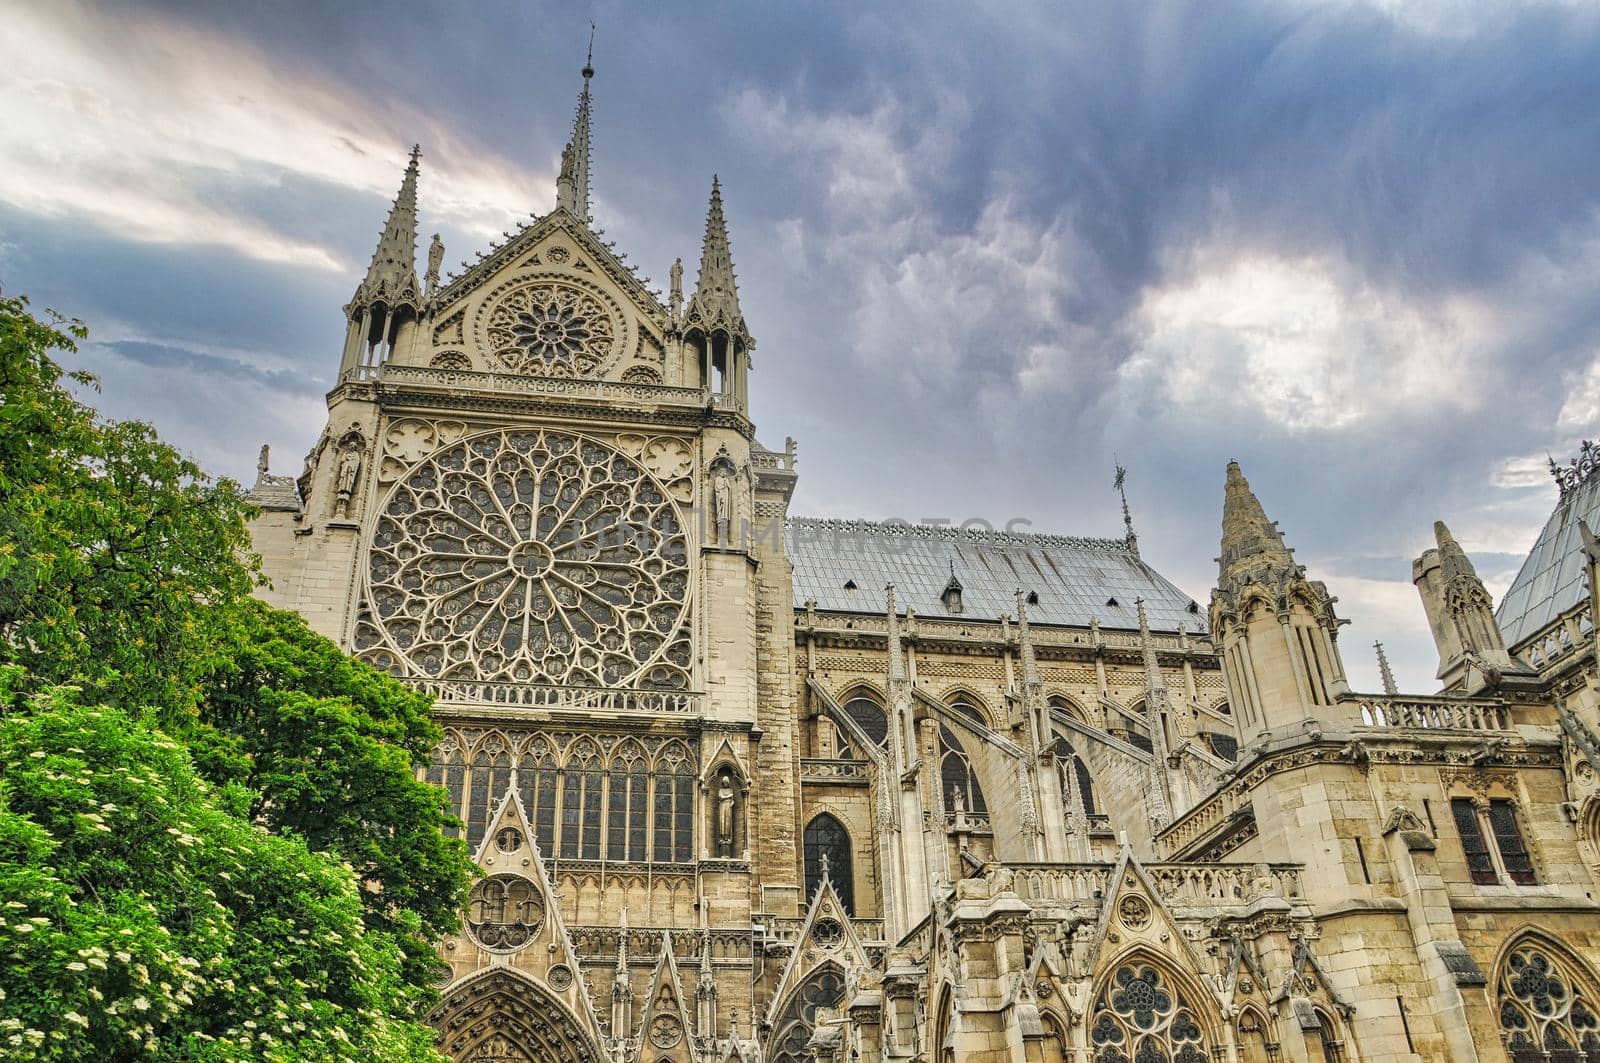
(841, 771)
(557, 699)
(518, 383)
(1203, 819)
(1559, 640)
(1418, 713)
(976, 822)
(1181, 884)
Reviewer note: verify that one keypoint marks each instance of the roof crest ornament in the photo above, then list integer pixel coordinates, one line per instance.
(1577, 471)
(1390, 687)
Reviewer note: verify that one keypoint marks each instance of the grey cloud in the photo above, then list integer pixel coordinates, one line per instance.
(919, 379)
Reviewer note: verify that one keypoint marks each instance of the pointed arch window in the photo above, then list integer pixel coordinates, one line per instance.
(449, 770)
(491, 777)
(1070, 761)
(823, 988)
(626, 818)
(869, 716)
(955, 767)
(536, 783)
(674, 811)
(826, 838)
(1547, 1008)
(1140, 1016)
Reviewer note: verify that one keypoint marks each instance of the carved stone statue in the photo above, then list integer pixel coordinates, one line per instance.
(569, 160)
(261, 462)
(345, 478)
(725, 814)
(722, 505)
(676, 275)
(435, 259)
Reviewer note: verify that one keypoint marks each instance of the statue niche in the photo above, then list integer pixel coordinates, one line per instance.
(727, 814)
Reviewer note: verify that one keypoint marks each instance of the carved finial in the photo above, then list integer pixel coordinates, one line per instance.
(822, 869)
(1120, 482)
(715, 302)
(1389, 686)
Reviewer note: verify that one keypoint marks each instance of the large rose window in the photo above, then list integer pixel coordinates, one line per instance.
(529, 556)
(551, 329)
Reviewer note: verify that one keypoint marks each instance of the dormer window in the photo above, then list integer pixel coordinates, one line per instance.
(951, 595)
(1112, 602)
(850, 585)
(1033, 597)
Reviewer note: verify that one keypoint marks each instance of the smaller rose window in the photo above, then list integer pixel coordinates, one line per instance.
(552, 330)
(505, 912)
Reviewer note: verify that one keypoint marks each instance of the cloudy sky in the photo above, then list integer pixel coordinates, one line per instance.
(986, 249)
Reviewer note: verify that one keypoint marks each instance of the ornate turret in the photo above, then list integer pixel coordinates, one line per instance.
(1472, 653)
(1276, 629)
(388, 298)
(712, 321)
(572, 185)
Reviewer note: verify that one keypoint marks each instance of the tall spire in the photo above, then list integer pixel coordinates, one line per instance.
(572, 186)
(715, 303)
(1390, 687)
(1248, 537)
(392, 277)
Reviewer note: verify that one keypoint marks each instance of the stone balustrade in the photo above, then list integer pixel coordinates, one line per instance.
(1422, 713)
(557, 698)
(521, 384)
(1181, 884)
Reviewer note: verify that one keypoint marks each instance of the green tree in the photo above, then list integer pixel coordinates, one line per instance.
(331, 748)
(125, 571)
(119, 557)
(145, 917)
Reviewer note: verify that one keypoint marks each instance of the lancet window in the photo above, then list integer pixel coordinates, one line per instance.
(956, 773)
(826, 843)
(613, 800)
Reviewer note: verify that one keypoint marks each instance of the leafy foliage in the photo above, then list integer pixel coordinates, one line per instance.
(125, 572)
(146, 917)
(331, 747)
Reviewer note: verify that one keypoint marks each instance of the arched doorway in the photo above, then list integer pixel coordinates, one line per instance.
(503, 1017)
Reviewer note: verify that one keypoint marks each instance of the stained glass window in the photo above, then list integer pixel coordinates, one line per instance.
(869, 716)
(1546, 1009)
(823, 988)
(1140, 1017)
(1508, 839)
(826, 837)
(1480, 865)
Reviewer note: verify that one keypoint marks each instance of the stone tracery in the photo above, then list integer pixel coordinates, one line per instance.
(1140, 1016)
(551, 329)
(1546, 1011)
(530, 556)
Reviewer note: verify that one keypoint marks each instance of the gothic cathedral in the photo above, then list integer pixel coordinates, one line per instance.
(750, 786)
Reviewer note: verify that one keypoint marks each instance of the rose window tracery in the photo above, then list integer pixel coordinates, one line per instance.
(505, 912)
(551, 329)
(1545, 1011)
(1140, 1018)
(529, 556)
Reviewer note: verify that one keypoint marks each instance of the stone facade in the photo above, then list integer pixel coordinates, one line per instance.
(746, 786)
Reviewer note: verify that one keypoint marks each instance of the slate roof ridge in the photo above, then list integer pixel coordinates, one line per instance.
(956, 533)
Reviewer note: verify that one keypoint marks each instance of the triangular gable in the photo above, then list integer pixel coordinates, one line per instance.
(510, 256)
(827, 935)
(666, 1025)
(510, 849)
(1134, 915)
(725, 755)
(1306, 981)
